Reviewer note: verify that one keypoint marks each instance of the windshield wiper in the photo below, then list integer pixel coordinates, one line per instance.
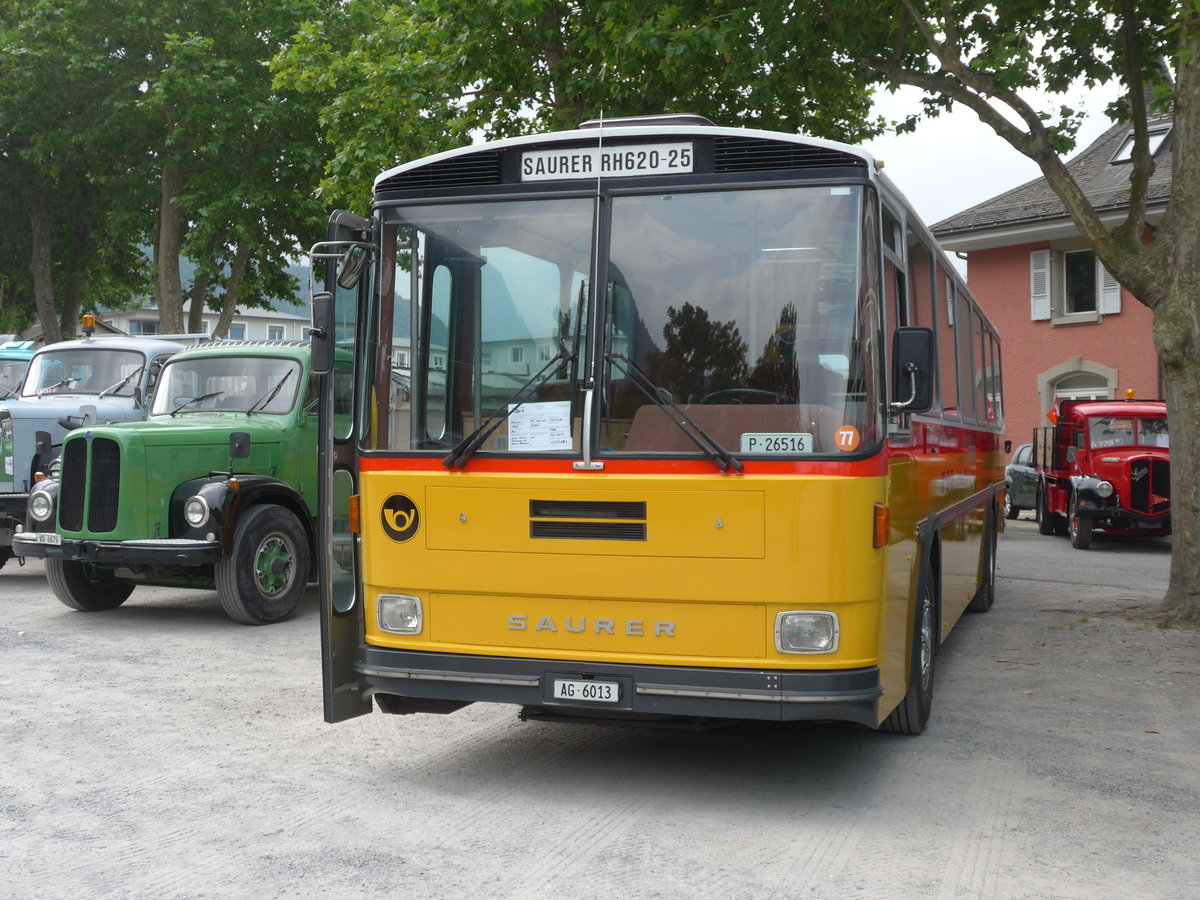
(200, 399)
(698, 436)
(120, 384)
(270, 395)
(466, 448)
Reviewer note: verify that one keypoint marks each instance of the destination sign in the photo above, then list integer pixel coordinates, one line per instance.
(625, 161)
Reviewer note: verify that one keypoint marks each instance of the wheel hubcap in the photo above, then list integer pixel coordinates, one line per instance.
(273, 565)
(926, 643)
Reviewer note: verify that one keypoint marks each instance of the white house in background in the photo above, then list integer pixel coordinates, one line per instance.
(286, 323)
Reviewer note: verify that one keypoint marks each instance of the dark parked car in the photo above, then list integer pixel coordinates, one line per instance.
(1021, 481)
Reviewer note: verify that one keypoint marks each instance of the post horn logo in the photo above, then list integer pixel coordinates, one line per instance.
(400, 517)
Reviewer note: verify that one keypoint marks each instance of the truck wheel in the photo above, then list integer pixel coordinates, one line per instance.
(1079, 529)
(1045, 518)
(1010, 511)
(264, 577)
(84, 586)
(913, 712)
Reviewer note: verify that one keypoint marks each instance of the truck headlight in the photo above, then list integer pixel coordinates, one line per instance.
(806, 631)
(195, 511)
(400, 613)
(41, 507)
(1105, 489)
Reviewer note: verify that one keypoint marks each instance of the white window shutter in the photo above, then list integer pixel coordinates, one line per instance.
(1110, 291)
(1039, 285)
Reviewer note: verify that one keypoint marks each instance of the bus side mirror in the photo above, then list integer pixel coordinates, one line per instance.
(321, 333)
(350, 269)
(912, 369)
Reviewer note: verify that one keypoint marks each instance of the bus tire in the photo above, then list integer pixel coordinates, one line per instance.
(986, 595)
(84, 586)
(1079, 529)
(1045, 518)
(911, 715)
(263, 578)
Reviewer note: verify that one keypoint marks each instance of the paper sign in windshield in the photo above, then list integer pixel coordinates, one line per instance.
(539, 427)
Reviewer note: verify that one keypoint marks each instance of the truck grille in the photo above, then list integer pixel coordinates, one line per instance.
(104, 490)
(98, 485)
(1150, 486)
(71, 492)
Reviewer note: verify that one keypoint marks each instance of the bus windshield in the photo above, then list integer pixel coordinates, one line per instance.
(744, 310)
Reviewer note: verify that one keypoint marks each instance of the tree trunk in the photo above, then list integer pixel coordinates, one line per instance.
(81, 238)
(41, 267)
(168, 247)
(237, 271)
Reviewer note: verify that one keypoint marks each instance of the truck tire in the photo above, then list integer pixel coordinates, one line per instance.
(1045, 518)
(263, 579)
(84, 586)
(1079, 529)
(912, 714)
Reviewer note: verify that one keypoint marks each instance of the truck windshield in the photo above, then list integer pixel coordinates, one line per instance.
(12, 371)
(83, 370)
(1128, 431)
(230, 383)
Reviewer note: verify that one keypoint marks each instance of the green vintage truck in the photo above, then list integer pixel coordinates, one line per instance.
(216, 488)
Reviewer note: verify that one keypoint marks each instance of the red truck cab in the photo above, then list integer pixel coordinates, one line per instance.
(1104, 464)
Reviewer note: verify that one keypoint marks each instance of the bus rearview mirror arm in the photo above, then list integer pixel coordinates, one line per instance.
(912, 356)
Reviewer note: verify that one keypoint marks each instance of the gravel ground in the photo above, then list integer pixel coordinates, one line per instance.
(160, 750)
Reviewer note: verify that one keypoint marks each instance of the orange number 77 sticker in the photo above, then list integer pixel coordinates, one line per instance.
(846, 438)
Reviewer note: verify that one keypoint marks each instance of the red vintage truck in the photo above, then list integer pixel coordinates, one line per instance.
(1104, 464)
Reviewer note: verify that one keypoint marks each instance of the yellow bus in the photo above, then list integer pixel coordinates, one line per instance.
(654, 420)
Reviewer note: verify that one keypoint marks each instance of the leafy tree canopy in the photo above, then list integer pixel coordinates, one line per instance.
(405, 79)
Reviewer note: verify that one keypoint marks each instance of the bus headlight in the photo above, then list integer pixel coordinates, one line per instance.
(399, 613)
(1105, 489)
(195, 511)
(806, 631)
(41, 507)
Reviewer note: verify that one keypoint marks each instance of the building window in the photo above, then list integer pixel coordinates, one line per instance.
(1069, 287)
(516, 354)
(143, 326)
(237, 332)
(1157, 138)
(274, 332)
(1079, 282)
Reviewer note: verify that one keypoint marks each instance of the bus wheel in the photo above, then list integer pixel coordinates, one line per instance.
(913, 712)
(1080, 530)
(84, 586)
(263, 579)
(986, 595)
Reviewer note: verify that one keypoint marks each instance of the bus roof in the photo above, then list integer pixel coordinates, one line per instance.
(648, 126)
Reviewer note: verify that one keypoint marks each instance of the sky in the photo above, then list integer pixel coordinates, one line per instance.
(953, 162)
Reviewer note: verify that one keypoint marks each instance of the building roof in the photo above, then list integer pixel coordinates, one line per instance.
(1034, 206)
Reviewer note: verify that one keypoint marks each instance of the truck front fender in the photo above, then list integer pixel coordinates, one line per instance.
(227, 499)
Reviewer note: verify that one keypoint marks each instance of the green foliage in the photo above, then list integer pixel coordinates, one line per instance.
(401, 80)
(101, 94)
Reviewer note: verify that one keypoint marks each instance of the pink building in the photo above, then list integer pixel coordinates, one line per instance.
(1068, 329)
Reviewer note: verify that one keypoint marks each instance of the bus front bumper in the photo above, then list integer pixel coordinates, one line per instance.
(408, 682)
(149, 552)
